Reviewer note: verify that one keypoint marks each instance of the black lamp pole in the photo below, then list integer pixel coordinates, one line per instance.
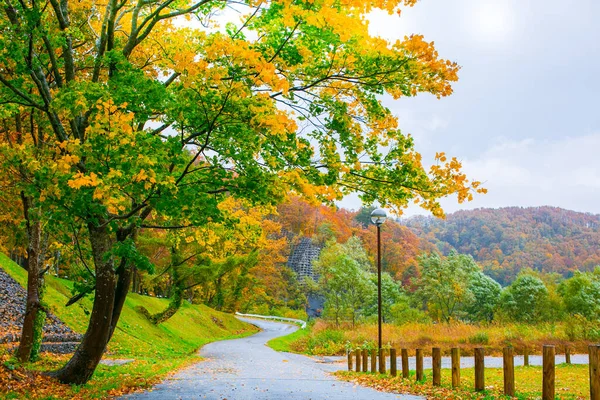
(378, 217)
(379, 319)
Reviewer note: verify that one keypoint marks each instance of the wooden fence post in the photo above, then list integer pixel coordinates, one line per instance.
(382, 361)
(436, 365)
(509, 371)
(393, 362)
(568, 354)
(405, 370)
(358, 361)
(419, 366)
(479, 367)
(594, 354)
(455, 353)
(349, 360)
(365, 360)
(373, 360)
(548, 372)
(526, 357)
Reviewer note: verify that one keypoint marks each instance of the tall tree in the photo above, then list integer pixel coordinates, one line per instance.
(581, 294)
(444, 282)
(485, 297)
(148, 119)
(344, 279)
(23, 137)
(525, 298)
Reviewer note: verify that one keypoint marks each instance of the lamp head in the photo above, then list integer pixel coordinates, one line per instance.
(378, 216)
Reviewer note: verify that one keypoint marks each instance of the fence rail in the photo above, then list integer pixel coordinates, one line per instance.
(275, 318)
(548, 367)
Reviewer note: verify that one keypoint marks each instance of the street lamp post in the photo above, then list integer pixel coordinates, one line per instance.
(378, 217)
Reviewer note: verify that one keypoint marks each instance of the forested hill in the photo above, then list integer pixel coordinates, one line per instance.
(506, 240)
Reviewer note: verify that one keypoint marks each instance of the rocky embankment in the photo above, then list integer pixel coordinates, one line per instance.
(58, 338)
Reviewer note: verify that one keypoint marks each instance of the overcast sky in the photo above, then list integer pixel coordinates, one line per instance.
(524, 117)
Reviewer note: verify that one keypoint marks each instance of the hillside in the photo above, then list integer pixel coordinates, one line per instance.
(155, 349)
(506, 240)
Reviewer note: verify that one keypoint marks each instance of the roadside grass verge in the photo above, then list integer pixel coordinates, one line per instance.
(155, 349)
(572, 382)
(285, 343)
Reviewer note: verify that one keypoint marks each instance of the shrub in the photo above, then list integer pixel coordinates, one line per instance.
(327, 341)
(479, 338)
(580, 328)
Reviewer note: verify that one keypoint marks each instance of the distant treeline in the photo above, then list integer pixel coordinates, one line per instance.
(507, 240)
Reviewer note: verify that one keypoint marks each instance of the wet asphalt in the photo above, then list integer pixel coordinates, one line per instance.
(246, 369)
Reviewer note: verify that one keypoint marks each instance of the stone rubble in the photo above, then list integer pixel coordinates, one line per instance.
(58, 338)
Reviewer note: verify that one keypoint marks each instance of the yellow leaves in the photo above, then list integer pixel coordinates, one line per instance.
(98, 194)
(114, 173)
(50, 191)
(277, 122)
(80, 180)
(65, 163)
(189, 239)
(112, 121)
(149, 177)
(140, 176)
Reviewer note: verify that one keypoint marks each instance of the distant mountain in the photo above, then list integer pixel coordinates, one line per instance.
(506, 240)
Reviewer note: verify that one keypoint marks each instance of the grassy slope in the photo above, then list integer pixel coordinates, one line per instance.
(156, 349)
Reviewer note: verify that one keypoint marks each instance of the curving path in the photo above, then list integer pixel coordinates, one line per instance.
(246, 369)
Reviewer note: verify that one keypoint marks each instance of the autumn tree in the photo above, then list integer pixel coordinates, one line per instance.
(345, 280)
(444, 283)
(525, 298)
(581, 294)
(149, 122)
(391, 294)
(485, 297)
(26, 217)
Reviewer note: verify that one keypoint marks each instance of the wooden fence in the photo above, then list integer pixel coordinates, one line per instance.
(358, 361)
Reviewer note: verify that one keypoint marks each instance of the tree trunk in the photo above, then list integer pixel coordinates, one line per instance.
(177, 289)
(123, 282)
(135, 287)
(82, 365)
(219, 293)
(33, 307)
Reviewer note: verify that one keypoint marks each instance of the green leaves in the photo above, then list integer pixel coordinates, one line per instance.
(128, 250)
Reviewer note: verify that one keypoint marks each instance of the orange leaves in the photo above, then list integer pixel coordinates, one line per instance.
(432, 74)
(80, 180)
(277, 122)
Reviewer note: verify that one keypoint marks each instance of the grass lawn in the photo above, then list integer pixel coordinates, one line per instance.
(156, 349)
(283, 343)
(572, 382)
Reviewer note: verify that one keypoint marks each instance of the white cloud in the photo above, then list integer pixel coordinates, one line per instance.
(563, 172)
(491, 21)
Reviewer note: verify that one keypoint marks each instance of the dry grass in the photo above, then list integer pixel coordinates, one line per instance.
(326, 339)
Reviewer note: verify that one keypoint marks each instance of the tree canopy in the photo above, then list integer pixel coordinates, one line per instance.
(137, 114)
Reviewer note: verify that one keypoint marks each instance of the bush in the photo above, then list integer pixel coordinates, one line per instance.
(479, 338)
(580, 328)
(327, 341)
(402, 314)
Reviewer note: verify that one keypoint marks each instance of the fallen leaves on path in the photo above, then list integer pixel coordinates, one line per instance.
(398, 385)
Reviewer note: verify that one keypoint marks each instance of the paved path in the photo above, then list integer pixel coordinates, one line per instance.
(246, 369)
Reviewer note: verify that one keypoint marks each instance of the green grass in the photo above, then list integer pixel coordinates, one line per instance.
(284, 343)
(572, 382)
(157, 349)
